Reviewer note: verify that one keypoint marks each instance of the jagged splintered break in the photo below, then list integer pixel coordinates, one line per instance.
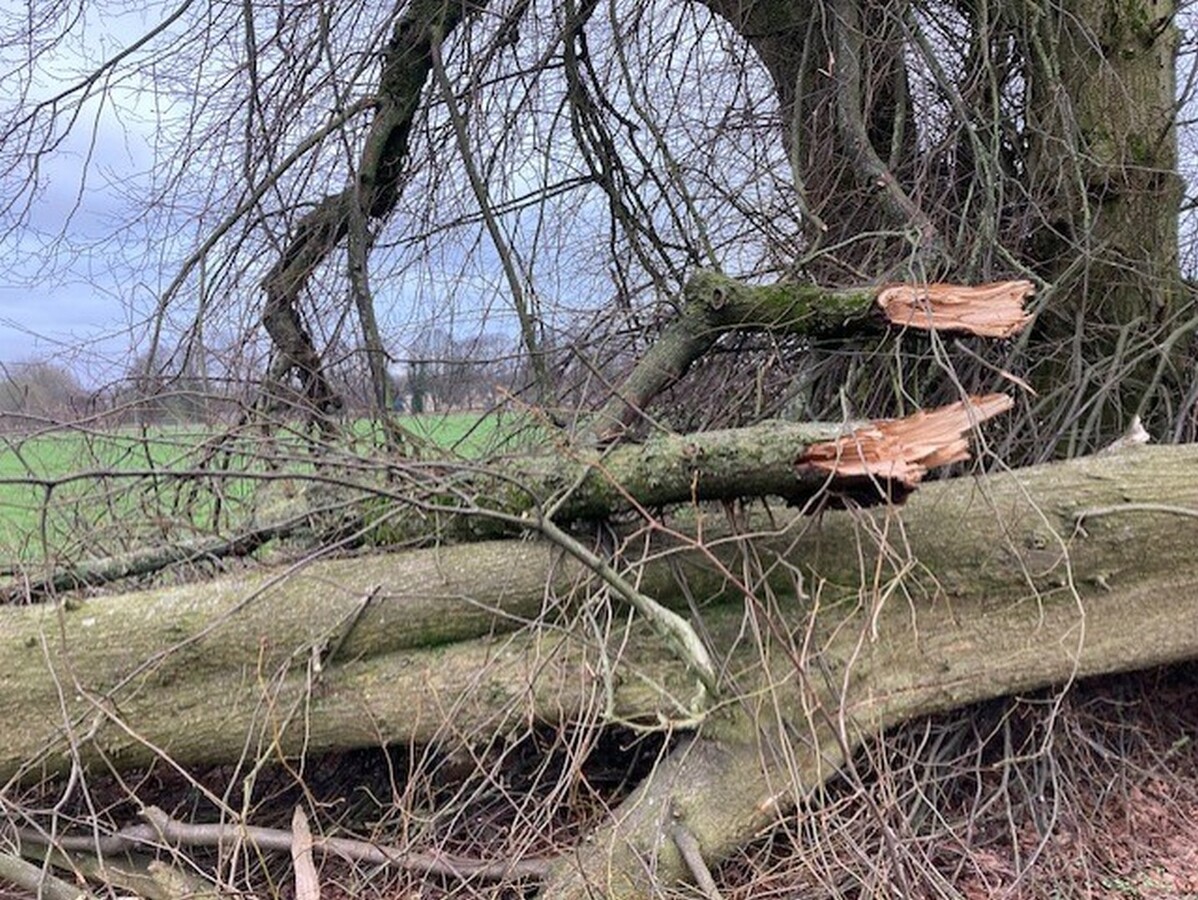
(893, 455)
(987, 310)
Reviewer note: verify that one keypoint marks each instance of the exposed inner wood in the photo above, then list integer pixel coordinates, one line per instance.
(902, 450)
(987, 310)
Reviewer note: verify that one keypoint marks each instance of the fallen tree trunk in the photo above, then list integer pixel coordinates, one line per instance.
(392, 640)
(1040, 577)
(975, 589)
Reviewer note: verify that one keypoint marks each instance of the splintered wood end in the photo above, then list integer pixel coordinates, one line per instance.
(987, 310)
(902, 450)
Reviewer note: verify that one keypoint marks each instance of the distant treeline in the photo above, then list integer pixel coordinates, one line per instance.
(451, 375)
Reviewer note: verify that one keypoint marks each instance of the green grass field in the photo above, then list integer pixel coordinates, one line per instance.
(72, 492)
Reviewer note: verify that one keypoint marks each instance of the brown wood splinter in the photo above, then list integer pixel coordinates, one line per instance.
(900, 451)
(987, 310)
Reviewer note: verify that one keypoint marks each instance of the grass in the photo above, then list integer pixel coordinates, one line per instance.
(72, 493)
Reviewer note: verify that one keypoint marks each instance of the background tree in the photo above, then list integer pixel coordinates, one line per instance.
(35, 394)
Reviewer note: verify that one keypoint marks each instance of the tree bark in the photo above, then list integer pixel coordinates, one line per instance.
(1103, 159)
(1102, 175)
(1029, 579)
(372, 649)
(839, 72)
(976, 588)
(714, 304)
(867, 462)
(1077, 184)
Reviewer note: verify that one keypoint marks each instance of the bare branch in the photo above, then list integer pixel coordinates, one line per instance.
(161, 829)
(406, 66)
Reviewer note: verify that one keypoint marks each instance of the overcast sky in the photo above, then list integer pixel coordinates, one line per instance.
(63, 296)
(56, 302)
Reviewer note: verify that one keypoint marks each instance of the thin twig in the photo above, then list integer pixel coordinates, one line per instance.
(1094, 512)
(160, 828)
(524, 314)
(354, 617)
(870, 168)
(676, 630)
(691, 854)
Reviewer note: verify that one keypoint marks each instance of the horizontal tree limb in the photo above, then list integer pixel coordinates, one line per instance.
(793, 461)
(977, 588)
(714, 304)
(425, 504)
(160, 830)
(1046, 603)
(17, 584)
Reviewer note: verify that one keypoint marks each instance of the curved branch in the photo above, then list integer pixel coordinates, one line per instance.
(407, 64)
(714, 304)
(870, 167)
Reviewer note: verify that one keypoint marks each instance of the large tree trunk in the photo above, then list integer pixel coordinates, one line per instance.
(1102, 176)
(839, 72)
(976, 588)
(1061, 159)
(1103, 156)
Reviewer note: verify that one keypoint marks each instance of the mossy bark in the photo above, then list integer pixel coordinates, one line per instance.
(333, 654)
(980, 590)
(976, 588)
(980, 544)
(714, 304)
(1103, 154)
(1102, 173)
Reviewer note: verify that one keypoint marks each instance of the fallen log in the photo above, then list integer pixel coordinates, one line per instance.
(1018, 582)
(976, 588)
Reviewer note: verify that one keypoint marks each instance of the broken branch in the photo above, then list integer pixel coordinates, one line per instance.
(987, 310)
(715, 304)
(902, 450)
